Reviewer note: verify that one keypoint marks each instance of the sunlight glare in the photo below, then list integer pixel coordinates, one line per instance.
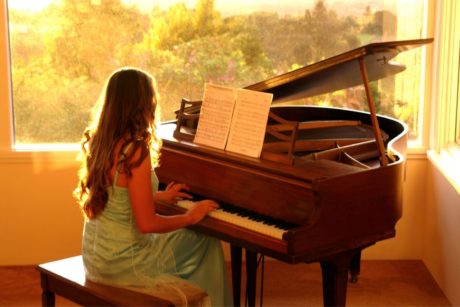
(28, 5)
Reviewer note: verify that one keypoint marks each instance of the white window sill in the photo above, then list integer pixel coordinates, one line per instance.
(47, 147)
(50, 153)
(448, 163)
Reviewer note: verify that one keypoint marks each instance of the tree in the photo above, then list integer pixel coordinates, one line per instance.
(62, 55)
(328, 34)
(381, 21)
(92, 37)
(206, 18)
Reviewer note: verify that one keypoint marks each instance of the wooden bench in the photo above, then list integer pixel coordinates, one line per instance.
(66, 278)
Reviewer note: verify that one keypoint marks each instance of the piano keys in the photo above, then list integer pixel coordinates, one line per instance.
(262, 224)
(334, 178)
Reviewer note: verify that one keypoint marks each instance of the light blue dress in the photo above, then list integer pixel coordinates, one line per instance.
(116, 253)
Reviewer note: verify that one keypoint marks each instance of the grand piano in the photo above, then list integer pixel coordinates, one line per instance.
(327, 185)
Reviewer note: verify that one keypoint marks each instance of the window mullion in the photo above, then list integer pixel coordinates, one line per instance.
(6, 124)
(457, 119)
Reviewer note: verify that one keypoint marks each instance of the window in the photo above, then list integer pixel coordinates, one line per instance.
(446, 94)
(63, 50)
(445, 145)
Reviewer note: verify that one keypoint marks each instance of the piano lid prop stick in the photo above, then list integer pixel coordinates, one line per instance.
(375, 123)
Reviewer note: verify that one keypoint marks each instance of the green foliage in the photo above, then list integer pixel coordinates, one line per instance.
(328, 34)
(61, 56)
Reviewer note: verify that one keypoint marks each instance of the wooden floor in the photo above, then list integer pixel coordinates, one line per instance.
(381, 283)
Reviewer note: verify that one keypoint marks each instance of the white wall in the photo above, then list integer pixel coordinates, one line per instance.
(409, 239)
(441, 229)
(39, 219)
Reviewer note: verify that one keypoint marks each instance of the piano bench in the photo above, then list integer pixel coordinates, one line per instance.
(66, 278)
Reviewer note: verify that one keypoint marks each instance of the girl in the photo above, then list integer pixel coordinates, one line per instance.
(125, 242)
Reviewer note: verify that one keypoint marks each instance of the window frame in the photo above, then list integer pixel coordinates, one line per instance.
(6, 112)
(444, 151)
(445, 104)
(7, 145)
(457, 136)
(8, 153)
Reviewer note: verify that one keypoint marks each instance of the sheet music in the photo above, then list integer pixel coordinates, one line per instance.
(247, 130)
(215, 116)
(233, 119)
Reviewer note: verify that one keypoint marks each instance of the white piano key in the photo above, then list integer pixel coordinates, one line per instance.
(240, 221)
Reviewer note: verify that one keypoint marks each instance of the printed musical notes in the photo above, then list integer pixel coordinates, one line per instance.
(215, 116)
(233, 119)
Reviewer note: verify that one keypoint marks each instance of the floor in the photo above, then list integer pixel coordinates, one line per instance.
(381, 283)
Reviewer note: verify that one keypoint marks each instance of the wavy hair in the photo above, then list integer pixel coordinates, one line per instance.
(125, 113)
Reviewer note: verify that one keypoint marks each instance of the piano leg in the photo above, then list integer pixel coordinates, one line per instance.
(236, 255)
(334, 270)
(355, 267)
(335, 278)
(251, 277)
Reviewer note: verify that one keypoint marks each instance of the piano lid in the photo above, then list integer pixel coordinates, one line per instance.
(338, 72)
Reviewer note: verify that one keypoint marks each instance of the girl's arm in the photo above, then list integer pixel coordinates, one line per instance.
(143, 206)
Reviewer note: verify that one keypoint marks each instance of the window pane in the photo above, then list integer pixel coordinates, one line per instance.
(63, 50)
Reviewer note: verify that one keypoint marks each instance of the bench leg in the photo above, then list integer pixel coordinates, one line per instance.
(48, 297)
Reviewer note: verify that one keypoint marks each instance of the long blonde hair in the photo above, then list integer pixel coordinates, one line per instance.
(124, 113)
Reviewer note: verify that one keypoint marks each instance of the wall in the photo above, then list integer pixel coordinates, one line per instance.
(40, 220)
(441, 228)
(408, 241)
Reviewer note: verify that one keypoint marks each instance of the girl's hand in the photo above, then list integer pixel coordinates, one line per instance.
(200, 210)
(173, 193)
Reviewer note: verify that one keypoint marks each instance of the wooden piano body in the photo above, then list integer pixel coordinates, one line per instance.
(341, 198)
(338, 206)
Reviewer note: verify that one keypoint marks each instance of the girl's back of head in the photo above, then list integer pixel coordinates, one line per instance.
(128, 105)
(125, 114)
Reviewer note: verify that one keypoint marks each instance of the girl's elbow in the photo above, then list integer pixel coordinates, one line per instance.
(144, 228)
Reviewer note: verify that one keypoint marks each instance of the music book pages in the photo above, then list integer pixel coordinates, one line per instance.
(233, 119)
(215, 116)
(247, 130)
